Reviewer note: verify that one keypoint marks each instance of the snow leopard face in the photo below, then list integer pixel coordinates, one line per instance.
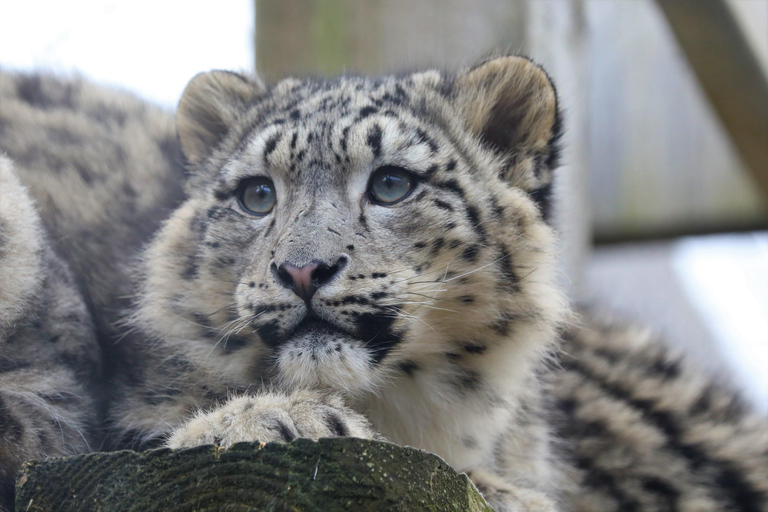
(339, 234)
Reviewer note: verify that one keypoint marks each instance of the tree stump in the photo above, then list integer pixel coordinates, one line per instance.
(329, 474)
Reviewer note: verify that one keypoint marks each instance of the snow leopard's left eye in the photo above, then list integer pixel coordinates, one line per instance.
(257, 195)
(390, 185)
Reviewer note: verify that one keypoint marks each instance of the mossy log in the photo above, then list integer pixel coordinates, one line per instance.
(330, 474)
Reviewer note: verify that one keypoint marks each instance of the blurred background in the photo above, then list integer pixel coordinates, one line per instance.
(664, 188)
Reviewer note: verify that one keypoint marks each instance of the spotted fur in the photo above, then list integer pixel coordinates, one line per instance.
(49, 358)
(646, 431)
(436, 320)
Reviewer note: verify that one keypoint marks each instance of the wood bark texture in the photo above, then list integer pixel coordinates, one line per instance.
(305, 475)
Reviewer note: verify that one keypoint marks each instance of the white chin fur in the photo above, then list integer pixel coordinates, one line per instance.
(325, 361)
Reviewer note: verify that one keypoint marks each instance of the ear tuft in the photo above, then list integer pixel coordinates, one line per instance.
(511, 105)
(209, 106)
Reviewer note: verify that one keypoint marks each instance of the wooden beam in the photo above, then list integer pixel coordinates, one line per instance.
(729, 73)
(330, 474)
(329, 37)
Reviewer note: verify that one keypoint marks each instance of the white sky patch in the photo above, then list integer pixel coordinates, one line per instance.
(150, 47)
(726, 280)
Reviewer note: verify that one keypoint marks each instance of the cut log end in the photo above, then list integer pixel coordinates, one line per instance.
(329, 474)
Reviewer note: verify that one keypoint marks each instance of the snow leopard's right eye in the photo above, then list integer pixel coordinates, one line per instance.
(257, 195)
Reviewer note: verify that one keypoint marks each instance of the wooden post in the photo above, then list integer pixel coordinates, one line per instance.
(556, 39)
(327, 475)
(729, 73)
(329, 37)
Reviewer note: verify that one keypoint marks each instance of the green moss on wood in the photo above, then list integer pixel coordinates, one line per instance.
(330, 474)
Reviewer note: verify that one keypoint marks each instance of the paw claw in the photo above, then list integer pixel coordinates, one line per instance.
(272, 417)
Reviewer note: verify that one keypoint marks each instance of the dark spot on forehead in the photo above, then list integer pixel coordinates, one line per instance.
(426, 139)
(344, 137)
(452, 186)
(367, 111)
(374, 140)
(270, 145)
(431, 170)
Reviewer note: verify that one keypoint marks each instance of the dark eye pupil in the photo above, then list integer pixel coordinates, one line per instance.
(390, 184)
(258, 196)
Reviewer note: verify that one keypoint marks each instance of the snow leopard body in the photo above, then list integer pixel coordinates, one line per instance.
(145, 300)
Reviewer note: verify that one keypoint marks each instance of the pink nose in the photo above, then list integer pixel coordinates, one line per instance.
(305, 280)
(300, 279)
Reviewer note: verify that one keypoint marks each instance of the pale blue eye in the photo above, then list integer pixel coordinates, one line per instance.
(257, 195)
(390, 184)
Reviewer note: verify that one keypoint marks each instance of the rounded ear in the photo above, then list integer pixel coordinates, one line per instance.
(210, 105)
(511, 105)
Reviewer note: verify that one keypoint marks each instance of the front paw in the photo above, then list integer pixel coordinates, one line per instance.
(506, 497)
(273, 417)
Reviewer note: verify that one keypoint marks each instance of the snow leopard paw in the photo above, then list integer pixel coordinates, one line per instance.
(506, 497)
(272, 417)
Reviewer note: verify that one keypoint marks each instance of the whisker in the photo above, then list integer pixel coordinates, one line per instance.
(474, 270)
(413, 317)
(421, 294)
(422, 304)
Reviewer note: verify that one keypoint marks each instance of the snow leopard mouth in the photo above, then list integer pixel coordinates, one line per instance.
(372, 332)
(312, 324)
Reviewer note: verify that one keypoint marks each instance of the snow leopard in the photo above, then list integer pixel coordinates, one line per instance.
(366, 257)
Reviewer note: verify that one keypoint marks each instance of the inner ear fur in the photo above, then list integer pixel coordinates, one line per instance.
(511, 105)
(209, 107)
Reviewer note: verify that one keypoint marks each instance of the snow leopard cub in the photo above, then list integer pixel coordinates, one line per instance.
(377, 240)
(350, 257)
